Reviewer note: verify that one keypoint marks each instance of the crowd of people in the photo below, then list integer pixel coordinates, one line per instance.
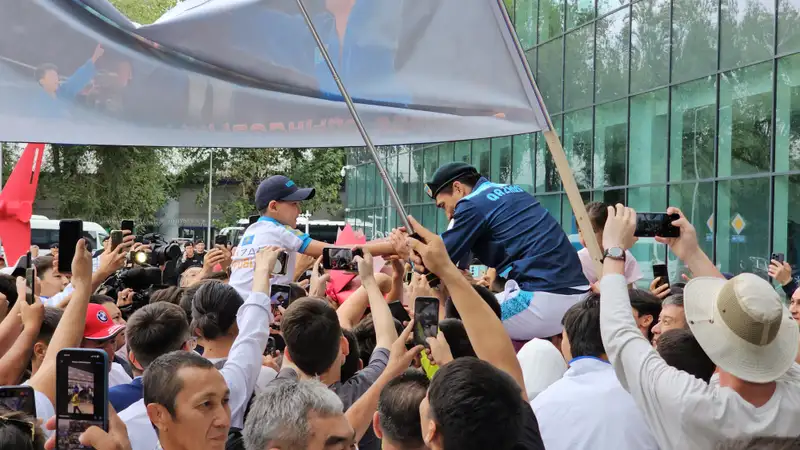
(542, 352)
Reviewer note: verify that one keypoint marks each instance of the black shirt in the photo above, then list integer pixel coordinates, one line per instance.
(530, 439)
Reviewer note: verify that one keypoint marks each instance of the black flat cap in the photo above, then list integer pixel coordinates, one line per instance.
(445, 175)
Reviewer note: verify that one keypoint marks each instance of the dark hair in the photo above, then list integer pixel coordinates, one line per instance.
(475, 406)
(218, 276)
(679, 349)
(296, 291)
(156, 329)
(171, 294)
(761, 443)
(582, 325)
(468, 179)
(199, 241)
(42, 70)
(188, 244)
(456, 336)
(161, 381)
(8, 287)
(312, 333)
(350, 366)
(188, 294)
(214, 308)
(367, 340)
(398, 408)
(52, 317)
(488, 296)
(100, 299)
(43, 264)
(646, 304)
(598, 215)
(15, 432)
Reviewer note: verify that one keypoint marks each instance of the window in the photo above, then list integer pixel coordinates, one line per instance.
(613, 42)
(523, 161)
(548, 74)
(578, 145)
(648, 140)
(568, 222)
(579, 68)
(552, 203)
(745, 117)
(361, 186)
(525, 15)
(747, 33)
(694, 38)
(429, 217)
(604, 6)
(446, 153)
(579, 12)
(547, 177)
(788, 26)
(481, 156)
(786, 238)
(650, 45)
(403, 177)
(416, 190)
(692, 130)
(695, 200)
(551, 19)
(462, 152)
(787, 110)
(743, 226)
(501, 160)
(610, 144)
(431, 163)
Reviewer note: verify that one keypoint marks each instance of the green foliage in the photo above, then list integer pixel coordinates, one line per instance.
(143, 11)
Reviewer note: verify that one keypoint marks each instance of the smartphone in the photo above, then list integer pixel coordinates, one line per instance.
(409, 276)
(656, 224)
(399, 312)
(116, 239)
(127, 225)
(18, 398)
(69, 233)
(780, 257)
(81, 394)
(279, 294)
(337, 258)
(478, 271)
(280, 266)
(272, 347)
(426, 319)
(221, 240)
(30, 283)
(660, 272)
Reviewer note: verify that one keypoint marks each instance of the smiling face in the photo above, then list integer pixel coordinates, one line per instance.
(284, 212)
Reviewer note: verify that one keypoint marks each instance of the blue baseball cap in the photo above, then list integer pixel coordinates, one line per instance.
(280, 189)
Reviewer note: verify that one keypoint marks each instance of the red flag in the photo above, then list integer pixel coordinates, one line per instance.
(16, 203)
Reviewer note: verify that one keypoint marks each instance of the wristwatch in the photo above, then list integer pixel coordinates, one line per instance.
(615, 253)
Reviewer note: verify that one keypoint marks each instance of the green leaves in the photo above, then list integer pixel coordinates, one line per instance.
(144, 11)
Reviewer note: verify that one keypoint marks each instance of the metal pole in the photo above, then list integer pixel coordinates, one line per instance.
(2, 147)
(210, 189)
(357, 119)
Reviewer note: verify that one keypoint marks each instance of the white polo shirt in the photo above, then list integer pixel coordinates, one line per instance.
(266, 232)
(588, 409)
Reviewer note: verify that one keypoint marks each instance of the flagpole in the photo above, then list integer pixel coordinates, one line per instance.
(393, 197)
(210, 190)
(557, 151)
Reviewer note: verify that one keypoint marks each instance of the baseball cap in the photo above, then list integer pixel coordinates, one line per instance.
(281, 189)
(99, 326)
(742, 325)
(446, 175)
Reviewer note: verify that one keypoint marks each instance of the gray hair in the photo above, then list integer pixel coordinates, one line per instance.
(675, 300)
(279, 415)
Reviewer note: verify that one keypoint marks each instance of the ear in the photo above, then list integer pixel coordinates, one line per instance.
(39, 349)
(376, 425)
(344, 346)
(432, 434)
(134, 362)
(273, 206)
(159, 416)
(646, 321)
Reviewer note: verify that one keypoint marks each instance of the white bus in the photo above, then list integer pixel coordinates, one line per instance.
(44, 233)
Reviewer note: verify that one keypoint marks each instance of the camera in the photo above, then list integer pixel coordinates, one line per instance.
(143, 281)
(161, 251)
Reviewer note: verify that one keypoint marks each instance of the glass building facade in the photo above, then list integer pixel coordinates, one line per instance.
(688, 103)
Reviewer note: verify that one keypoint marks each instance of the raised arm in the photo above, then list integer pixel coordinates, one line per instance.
(485, 331)
(351, 311)
(385, 332)
(11, 327)
(380, 248)
(687, 249)
(16, 360)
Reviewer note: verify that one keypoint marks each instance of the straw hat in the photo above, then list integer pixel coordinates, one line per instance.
(743, 326)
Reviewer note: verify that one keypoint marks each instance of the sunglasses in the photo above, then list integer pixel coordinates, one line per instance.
(22, 424)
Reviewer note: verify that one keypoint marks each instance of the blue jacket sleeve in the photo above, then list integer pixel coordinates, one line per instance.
(75, 84)
(468, 225)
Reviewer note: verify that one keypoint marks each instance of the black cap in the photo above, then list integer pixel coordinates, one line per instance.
(445, 175)
(281, 189)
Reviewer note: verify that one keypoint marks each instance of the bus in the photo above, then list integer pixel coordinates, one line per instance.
(321, 230)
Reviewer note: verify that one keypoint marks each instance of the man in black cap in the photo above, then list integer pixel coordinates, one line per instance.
(508, 229)
(278, 202)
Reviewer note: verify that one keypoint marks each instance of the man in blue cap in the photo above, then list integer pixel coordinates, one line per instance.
(278, 202)
(506, 228)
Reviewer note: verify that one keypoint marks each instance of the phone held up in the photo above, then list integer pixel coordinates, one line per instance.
(127, 225)
(780, 257)
(279, 294)
(81, 394)
(657, 224)
(426, 319)
(660, 272)
(69, 233)
(116, 239)
(280, 265)
(337, 258)
(18, 398)
(399, 312)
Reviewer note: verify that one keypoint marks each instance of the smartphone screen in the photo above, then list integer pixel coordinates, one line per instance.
(280, 265)
(660, 272)
(334, 258)
(279, 294)
(18, 398)
(116, 239)
(69, 233)
(81, 394)
(399, 312)
(656, 224)
(426, 319)
(127, 225)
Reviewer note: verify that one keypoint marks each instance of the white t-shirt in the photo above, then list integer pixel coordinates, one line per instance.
(140, 430)
(265, 232)
(632, 271)
(117, 375)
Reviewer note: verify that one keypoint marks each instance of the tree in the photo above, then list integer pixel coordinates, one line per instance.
(143, 11)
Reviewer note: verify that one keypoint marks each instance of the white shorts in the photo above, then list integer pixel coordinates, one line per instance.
(529, 315)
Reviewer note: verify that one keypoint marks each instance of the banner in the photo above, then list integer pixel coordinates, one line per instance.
(248, 73)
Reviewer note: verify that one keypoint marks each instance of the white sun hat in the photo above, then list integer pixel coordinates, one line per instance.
(743, 326)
